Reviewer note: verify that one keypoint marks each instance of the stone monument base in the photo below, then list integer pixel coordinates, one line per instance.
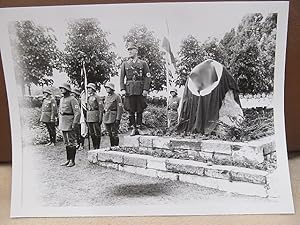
(227, 166)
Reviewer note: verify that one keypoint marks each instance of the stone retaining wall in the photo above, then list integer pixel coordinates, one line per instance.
(222, 177)
(254, 154)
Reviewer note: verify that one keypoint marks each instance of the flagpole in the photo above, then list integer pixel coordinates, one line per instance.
(86, 98)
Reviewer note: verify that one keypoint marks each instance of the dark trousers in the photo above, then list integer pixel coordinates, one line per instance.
(52, 131)
(135, 105)
(135, 119)
(69, 138)
(112, 129)
(95, 133)
(79, 138)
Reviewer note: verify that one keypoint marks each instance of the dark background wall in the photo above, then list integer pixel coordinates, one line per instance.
(292, 90)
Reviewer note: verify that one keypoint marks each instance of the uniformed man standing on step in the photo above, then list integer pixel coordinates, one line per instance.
(113, 110)
(94, 115)
(49, 114)
(69, 114)
(135, 88)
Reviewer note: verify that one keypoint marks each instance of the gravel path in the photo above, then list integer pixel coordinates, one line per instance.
(90, 185)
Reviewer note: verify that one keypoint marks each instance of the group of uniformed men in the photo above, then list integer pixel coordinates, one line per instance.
(134, 84)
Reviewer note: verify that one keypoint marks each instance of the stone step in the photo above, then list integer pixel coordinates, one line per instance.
(222, 177)
(252, 154)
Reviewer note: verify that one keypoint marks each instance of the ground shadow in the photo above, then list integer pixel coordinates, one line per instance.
(139, 190)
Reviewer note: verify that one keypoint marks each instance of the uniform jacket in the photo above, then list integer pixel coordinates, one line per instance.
(173, 103)
(69, 113)
(95, 109)
(49, 110)
(113, 108)
(79, 103)
(137, 76)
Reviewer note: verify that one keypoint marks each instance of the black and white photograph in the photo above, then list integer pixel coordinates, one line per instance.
(147, 108)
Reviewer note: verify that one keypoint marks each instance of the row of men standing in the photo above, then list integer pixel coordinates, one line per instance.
(135, 84)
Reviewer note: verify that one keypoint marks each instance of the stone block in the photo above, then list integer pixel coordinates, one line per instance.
(161, 142)
(194, 155)
(188, 144)
(248, 175)
(222, 159)
(146, 172)
(135, 160)
(216, 146)
(199, 180)
(130, 141)
(244, 188)
(139, 170)
(205, 156)
(110, 156)
(146, 141)
(167, 175)
(268, 148)
(219, 172)
(156, 163)
(168, 153)
(110, 165)
(226, 185)
(93, 156)
(272, 182)
(185, 166)
(248, 155)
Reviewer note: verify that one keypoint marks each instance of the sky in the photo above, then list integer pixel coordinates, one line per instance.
(183, 19)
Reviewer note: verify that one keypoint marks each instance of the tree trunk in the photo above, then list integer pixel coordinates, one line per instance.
(29, 90)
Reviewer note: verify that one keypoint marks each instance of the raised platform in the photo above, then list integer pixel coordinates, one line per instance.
(244, 168)
(222, 177)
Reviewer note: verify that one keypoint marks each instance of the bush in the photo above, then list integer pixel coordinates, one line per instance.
(33, 131)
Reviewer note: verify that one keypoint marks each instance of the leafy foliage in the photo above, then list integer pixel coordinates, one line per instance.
(248, 52)
(34, 52)
(149, 50)
(87, 42)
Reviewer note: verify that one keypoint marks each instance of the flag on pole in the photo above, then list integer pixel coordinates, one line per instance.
(84, 128)
(170, 63)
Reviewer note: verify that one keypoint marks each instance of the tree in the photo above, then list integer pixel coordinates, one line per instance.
(192, 52)
(87, 42)
(34, 52)
(150, 51)
(251, 53)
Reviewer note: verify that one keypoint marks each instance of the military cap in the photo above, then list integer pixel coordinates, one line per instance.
(131, 45)
(110, 85)
(65, 86)
(173, 90)
(92, 85)
(47, 90)
(76, 91)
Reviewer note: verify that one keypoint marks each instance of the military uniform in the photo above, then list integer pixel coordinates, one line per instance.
(79, 138)
(137, 76)
(173, 104)
(113, 110)
(94, 116)
(49, 113)
(69, 114)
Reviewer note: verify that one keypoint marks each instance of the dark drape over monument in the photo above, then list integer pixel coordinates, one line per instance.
(203, 96)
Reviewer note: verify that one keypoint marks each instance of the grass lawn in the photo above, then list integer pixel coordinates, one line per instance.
(90, 185)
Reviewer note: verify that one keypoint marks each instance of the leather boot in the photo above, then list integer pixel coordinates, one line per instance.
(68, 156)
(72, 156)
(133, 132)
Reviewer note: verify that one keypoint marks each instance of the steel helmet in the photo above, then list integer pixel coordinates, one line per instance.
(47, 90)
(76, 91)
(110, 85)
(92, 85)
(65, 86)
